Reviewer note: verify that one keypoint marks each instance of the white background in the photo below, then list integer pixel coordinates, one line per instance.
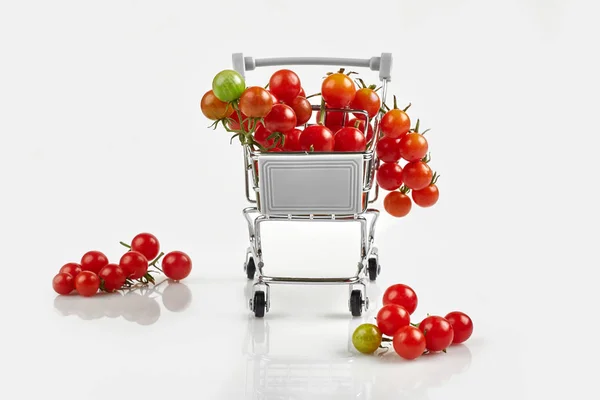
(102, 138)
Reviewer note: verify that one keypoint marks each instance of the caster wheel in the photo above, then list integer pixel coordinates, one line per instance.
(374, 269)
(259, 304)
(250, 268)
(356, 303)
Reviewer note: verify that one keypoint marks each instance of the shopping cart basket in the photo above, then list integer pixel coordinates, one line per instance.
(305, 186)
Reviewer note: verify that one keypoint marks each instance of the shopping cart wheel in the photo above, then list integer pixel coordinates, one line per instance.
(259, 304)
(250, 268)
(356, 302)
(374, 269)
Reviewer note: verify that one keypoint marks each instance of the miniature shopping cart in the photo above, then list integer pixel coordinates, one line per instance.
(303, 186)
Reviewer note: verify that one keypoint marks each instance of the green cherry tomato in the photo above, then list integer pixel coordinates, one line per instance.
(366, 338)
(228, 85)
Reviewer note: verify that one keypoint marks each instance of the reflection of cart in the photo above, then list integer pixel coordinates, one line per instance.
(306, 187)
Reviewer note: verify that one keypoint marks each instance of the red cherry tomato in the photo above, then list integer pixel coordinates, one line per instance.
(438, 333)
(176, 265)
(461, 324)
(302, 93)
(261, 135)
(368, 100)
(147, 244)
(409, 342)
(275, 150)
(303, 110)
(395, 123)
(213, 108)
(338, 90)
(281, 119)
(391, 318)
(402, 295)
(361, 127)
(87, 283)
(134, 264)
(285, 84)
(417, 175)
(93, 261)
(234, 122)
(316, 138)
(389, 176)
(275, 99)
(71, 268)
(256, 102)
(413, 146)
(388, 149)
(349, 139)
(397, 204)
(427, 196)
(113, 277)
(334, 120)
(63, 283)
(292, 140)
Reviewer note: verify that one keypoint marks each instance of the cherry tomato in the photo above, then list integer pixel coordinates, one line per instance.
(113, 277)
(285, 84)
(93, 261)
(391, 318)
(409, 342)
(228, 85)
(402, 295)
(417, 175)
(334, 120)
(71, 268)
(256, 102)
(234, 122)
(147, 244)
(213, 108)
(292, 140)
(388, 149)
(397, 204)
(338, 90)
(303, 110)
(261, 135)
(413, 146)
(176, 265)
(87, 283)
(395, 123)
(389, 176)
(349, 139)
(366, 338)
(275, 99)
(368, 100)
(282, 118)
(302, 93)
(438, 333)
(134, 264)
(461, 324)
(275, 150)
(63, 283)
(427, 196)
(316, 138)
(361, 127)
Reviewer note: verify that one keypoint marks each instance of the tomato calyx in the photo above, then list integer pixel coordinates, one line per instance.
(434, 178)
(278, 140)
(416, 128)
(342, 71)
(404, 190)
(426, 159)
(362, 85)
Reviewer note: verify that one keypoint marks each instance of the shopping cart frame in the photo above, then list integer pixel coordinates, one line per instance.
(361, 168)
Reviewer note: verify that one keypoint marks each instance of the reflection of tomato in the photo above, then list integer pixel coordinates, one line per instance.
(338, 90)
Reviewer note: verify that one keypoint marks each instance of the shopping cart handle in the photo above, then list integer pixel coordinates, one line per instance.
(383, 64)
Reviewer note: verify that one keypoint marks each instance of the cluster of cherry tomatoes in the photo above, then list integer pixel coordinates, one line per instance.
(433, 334)
(276, 119)
(94, 272)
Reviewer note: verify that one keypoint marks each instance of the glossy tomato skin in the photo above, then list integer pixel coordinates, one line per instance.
(71, 268)
(361, 127)
(234, 122)
(349, 139)
(93, 261)
(261, 135)
(302, 93)
(256, 102)
(438, 333)
(389, 176)
(426, 197)
(391, 318)
(228, 85)
(147, 244)
(366, 338)
(334, 120)
(113, 277)
(395, 123)
(63, 283)
(316, 138)
(462, 326)
(303, 110)
(87, 283)
(413, 146)
(133, 264)
(409, 342)
(368, 100)
(177, 265)
(388, 149)
(403, 295)
(397, 204)
(285, 84)
(417, 175)
(275, 99)
(213, 108)
(282, 118)
(338, 90)
(292, 140)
